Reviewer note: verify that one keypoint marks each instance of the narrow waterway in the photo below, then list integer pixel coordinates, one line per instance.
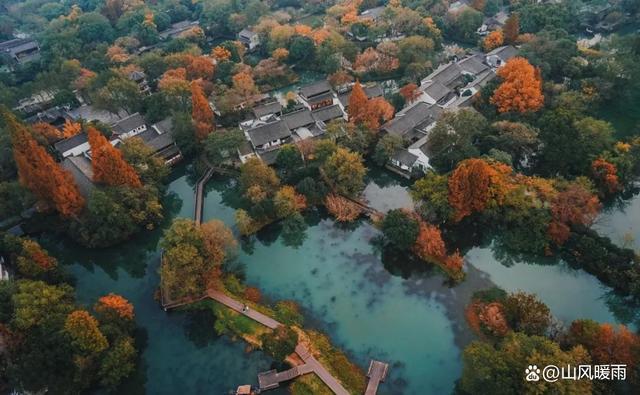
(373, 305)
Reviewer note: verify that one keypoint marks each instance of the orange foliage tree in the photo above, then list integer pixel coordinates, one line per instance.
(70, 129)
(38, 172)
(410, 92)
(521, 87)
(493, 40)
(605, 174)
(200, 67)
(429, 243)
(366, 111)
(221, 53)
(116, 304)
(109, 167)
(475, 184)
(201, 112)
(573, 206)
(49, 132)
(342, 208)
(243, 84)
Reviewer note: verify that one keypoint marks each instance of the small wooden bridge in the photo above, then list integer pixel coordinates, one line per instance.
(202, 182)
(272, 378)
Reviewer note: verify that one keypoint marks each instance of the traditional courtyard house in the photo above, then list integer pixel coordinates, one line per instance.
(325, 115)
(267, 139)
(267, 110)
(499, 56)
(20, 50)
(89, 113)
(249, 38)
(130, 126)
(493, 23)
(177, 29)
(73, 146)
(38, 102)
(317, 95)
(413, 123)
(302, 124)
(372, 14)
(159, 137)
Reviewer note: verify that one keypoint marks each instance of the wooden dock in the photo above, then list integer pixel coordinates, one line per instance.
(377, 373)
(272, 378)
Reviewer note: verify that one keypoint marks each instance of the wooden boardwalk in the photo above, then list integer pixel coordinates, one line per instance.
(377, 373)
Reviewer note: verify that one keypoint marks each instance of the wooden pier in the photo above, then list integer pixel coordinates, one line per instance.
(272, 378)
(377, 373)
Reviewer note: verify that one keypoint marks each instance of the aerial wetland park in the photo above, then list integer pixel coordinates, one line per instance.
(320, 197)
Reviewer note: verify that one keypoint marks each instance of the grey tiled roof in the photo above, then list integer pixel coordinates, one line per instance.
(298, 119)
(269, 157)
(405, 157)
(82, 172)
(505, 53)
(72, 142)
(437, 91)
(370, 91)
(445, 74)
(328, 113)
(164, 126)
(419, 115)
(128, 124)
(314, 89)
(266, 109)
(472, 64)
(268, 132)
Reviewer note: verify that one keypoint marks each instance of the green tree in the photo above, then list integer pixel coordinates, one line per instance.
(400, 229)
(301, 50)
(289, 159)
(118, 363)
(454, 138)
(223, 145)
(431, 194)
(255, 173)
(36, 303)
(463, 26)
(346, 171)
(280, 343)
(501, 370)
(86, 337)
(386, 147)
(118, 93)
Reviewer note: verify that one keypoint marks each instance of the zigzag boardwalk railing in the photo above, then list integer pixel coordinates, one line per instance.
(202, 182)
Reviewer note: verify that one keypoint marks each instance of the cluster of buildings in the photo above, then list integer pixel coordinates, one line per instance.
(451, 86)
(19, 51)
(273, 124)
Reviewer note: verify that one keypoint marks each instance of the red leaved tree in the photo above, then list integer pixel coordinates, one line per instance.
(201, 112)
(38, 172)
(109, 167)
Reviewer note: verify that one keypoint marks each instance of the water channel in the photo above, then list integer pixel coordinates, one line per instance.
(371, 305)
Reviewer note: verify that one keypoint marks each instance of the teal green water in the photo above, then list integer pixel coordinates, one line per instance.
(371, 304)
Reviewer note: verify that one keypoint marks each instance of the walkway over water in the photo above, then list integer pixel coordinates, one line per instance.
(377, 373)
(202, 182)
(272, 378)
(311, 364)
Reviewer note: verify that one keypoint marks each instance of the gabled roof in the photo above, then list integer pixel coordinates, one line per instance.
(437, 91)
(314, 89)
(267, 109)
(268, 132)
(404, 157)
(445, 74)
(419, 115)
(473, 65)
(70, 143)
(269, 157)
(164, 126)
(82, 172)
(298, 119)
(505, 52)
(372, 13)
(137, 75)
(320, 98)
(128, 124)
(328, 113)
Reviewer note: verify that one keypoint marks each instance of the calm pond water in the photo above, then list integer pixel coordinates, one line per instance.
(372, 305)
